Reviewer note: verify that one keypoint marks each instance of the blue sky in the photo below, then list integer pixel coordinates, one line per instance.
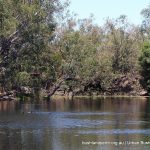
(109, 8)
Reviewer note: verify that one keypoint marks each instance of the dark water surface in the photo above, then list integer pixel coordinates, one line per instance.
(79, 124)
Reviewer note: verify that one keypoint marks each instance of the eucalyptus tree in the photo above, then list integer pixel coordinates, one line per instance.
(145, 27)
(124, 44)
(145, 64)
(83, 60)
(145, 55)
(27, 29)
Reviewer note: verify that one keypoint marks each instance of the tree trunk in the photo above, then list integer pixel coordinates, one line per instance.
(54, 89)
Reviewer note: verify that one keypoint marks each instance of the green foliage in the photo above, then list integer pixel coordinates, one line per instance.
(123, 43)
(82, 56)
(145, 64)
(23, 79)
(36, 51)
(26, 30)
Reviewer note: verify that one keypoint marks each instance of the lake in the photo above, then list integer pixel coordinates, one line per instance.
(79, 124)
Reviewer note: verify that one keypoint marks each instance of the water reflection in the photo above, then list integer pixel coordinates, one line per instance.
(70, 124)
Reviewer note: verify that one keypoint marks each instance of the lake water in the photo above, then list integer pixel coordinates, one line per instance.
(79, 124)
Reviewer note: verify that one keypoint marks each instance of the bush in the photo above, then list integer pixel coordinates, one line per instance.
(23, 78)
(145, 64)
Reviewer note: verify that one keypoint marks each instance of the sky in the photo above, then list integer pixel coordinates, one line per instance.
(102, 9)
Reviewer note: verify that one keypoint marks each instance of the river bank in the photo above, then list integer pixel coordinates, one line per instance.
(122, 86)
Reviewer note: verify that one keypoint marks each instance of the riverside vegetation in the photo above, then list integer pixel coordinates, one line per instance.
(44, 48)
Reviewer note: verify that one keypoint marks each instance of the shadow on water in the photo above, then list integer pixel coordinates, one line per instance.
(70, 124)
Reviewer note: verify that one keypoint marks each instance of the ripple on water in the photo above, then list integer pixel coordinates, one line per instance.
(69, 120)
(116, 131)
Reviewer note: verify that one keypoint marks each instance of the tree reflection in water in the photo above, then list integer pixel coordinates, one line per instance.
(64, 124)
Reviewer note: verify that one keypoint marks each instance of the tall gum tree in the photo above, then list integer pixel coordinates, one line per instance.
(26, 31)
